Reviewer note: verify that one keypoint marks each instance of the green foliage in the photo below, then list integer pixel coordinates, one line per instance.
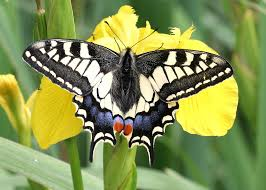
(261, 119)
(121, 160)
(41, 168)
(235, 28)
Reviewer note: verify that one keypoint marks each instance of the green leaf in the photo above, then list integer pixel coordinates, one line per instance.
(246, 81)
(40, 28)
(11, 44)
(237, 158)
(119, 165)
(41, 168)
(156, 180)
(261, 119)
(11, 181)
(60, 20)
(248, 48)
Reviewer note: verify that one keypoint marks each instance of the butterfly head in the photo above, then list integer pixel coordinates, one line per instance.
(127, 59)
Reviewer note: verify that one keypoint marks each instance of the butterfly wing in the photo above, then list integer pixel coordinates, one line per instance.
(81, 68)
(175, 74)
(96, 110)
(148, 117)
(75, 65)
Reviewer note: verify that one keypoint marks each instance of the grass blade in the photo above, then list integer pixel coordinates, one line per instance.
(261, 119)
(33, 165)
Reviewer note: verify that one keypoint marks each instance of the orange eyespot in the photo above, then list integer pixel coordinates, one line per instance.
(118, 127)
(128, 129)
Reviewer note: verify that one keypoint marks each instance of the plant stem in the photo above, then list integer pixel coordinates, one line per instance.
(119, 166)
(73, 156)
(38, 4)
(24, 136)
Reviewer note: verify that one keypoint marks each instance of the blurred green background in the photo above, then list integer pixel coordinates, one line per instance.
(235, 28)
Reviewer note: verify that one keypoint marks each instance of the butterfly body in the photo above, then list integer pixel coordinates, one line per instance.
(125, 87)
(134, 95)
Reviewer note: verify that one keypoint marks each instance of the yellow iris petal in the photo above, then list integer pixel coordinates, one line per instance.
(12, 102)
(31, 101)
(123, 24)
(211, 112)
(187, 34)
(53, 115)
(155, 41)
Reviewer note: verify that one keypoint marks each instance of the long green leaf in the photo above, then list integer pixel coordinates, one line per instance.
(237, 158)
(261, 129)
(11, 181)
(11, 44)
(157, 180)
(60, 20)
(41, 168)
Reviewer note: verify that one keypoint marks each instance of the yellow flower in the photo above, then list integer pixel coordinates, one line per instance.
(13, 103)
(53, 115)
(210, 112)
(18, 112)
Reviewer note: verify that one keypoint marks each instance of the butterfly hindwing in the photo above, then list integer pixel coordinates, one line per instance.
(175, 74)
(72, 64)
(148, 118)
(147, 126)
(96, 111)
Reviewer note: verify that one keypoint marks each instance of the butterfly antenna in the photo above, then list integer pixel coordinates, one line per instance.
(145, 37)
(160, 47)
(117, 45)
(115, 34)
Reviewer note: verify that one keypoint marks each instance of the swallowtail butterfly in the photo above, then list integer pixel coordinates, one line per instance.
(136, 95)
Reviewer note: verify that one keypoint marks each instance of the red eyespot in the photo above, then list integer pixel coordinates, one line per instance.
(118, 127)
(128, 129)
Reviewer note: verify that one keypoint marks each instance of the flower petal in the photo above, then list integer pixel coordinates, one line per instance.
(155, 41)
(31, 100)
(212, 111)
(53, 116)
(123, 25)
(187, 34)
(195, 45)
(12, 101)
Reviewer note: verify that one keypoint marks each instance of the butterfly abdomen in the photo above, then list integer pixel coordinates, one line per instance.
(125, 89)
(125, 85)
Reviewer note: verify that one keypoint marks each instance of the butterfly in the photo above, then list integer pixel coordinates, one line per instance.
(135, 95)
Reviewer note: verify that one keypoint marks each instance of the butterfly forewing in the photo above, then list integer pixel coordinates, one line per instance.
(175, 74)
(72, 64)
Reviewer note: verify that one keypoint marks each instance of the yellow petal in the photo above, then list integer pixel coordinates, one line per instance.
(195, 45)
(187, 34)
(12, 101)
(123, 25)
(176, 31)
(31, 100)
(53, 116)
(212, 111)
(155, 41)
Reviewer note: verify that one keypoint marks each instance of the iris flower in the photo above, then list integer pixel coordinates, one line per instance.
(18, 111)
(211, 112)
